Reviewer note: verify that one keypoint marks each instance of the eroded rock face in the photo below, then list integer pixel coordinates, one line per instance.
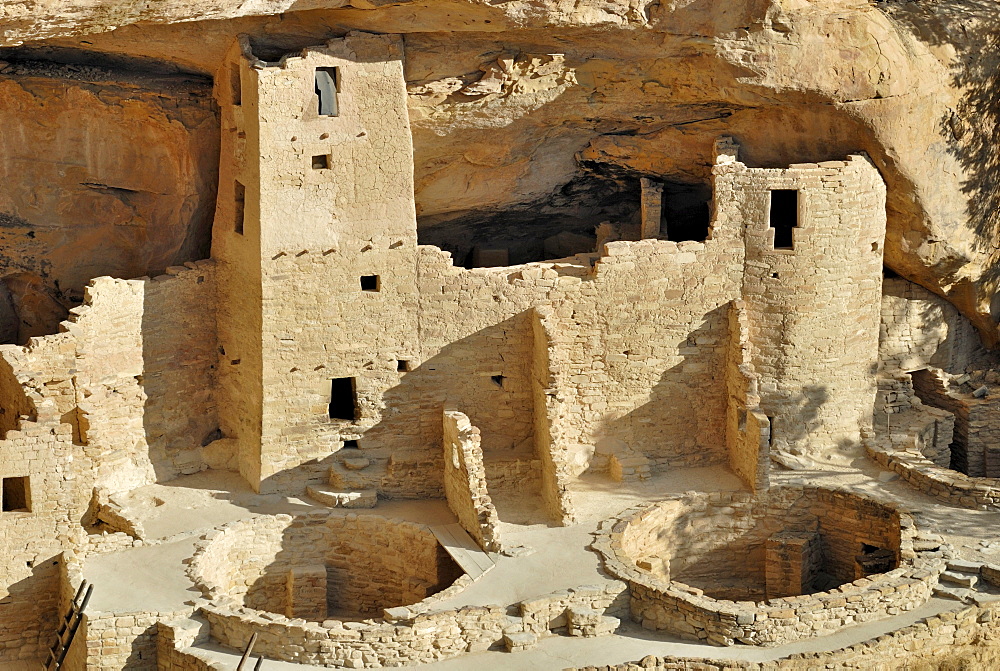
(511, 102)
(105, 173)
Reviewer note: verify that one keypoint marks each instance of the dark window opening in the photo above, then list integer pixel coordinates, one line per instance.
(351, 445)
(889, 273)
(321, 162)
(236, 83)
(327, 85)
(497, 380)
(15, 495)
(370, 283)
(770, 431)
(343, 399)
(403, 366)
(874, 559)
(784, 216)
(686, 211)
(240, 198)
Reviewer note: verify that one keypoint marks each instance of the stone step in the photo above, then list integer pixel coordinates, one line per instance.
(961, 579)
(515, 642)
(964, 566)
(954, 593)
(365, 498)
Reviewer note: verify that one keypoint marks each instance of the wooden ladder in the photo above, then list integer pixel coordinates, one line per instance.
(67, 630)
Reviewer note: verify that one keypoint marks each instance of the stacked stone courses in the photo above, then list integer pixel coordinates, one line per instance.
(844, 522)
(322, 352)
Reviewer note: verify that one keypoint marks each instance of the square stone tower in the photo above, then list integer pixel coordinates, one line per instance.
(315, 237)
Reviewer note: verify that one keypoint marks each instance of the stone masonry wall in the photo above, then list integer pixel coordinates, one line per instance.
(84, 424)
(248, 561)
(921, 330)
(963, 638)
(465, 483)
(748, 434)
(844, 522)
(814, 308)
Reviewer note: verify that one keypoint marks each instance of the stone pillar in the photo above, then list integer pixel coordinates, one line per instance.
(652, 207)
(791, 564)
(307, 592)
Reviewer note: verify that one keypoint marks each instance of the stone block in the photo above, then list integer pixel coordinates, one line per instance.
(516, 642)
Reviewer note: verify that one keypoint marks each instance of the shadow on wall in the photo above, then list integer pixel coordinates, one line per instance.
(684, 421)
(804, 408)
(31, 606)
(179, 363)
(972, 129)
(313, 574)
(973, 133)
(485, 374)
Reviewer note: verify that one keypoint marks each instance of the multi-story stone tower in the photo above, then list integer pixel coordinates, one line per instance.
(812, 285)
(315, 205)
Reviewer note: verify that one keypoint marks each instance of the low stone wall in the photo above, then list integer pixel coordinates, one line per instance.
(944, 484)
(248, 561)
(516, 477)
(422, 638)
(965, 639)
(632, 542)
(109, 641)
(465, 481)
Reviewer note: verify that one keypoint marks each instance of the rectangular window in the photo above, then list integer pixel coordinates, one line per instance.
(402, 366)
(343, 398)
(240, 206)
(16, 497)
(370, 283)
(321, 162)
(327, 85)
(236, 83)
(784, 216)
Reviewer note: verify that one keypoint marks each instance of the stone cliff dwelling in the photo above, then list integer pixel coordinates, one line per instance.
(327, 348)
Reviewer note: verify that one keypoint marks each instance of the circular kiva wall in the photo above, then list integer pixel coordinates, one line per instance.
(786, 564)
(321, 566)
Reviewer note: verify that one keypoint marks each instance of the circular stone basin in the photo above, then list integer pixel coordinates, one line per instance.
(788, 563)
(322, 565)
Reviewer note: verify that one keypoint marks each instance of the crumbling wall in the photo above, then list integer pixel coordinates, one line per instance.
(43, 452)
(88, 430)
(465, 483)
(748, 430)
(557, 468)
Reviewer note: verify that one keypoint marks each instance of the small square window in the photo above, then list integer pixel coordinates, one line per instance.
(370, 283)
(321, 162)
(403, 366)
(498, 380)
(351, 445)
(16, 495)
